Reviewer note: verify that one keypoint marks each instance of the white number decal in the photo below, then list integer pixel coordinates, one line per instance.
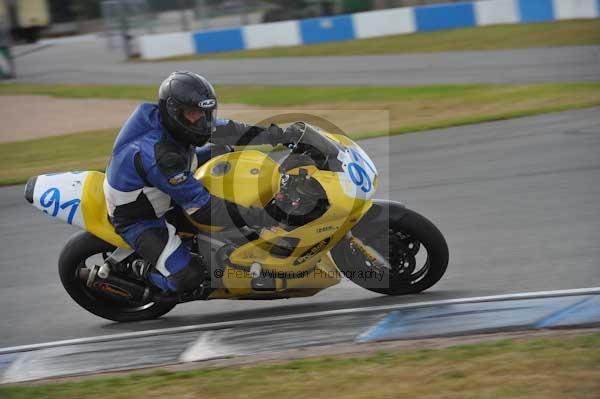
(360, 171)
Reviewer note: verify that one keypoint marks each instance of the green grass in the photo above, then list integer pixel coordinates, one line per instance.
(411, 109)
(534, 368)
(271, 96)
(559, 33)
(254, 95)
(81, 151)
(135, 92)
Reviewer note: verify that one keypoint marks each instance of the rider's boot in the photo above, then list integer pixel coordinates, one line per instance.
(194, 281)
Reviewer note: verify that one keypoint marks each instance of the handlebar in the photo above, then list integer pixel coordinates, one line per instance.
(305, 140)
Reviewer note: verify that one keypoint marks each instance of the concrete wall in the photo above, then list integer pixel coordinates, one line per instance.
(166, 45)
(286, 33)
(385, 22)
(367, 25)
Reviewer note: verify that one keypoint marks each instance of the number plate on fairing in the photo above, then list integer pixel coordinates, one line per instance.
(59, 195)
(359, 179)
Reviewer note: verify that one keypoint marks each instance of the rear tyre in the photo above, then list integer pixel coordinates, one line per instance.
(414, 248)
(84, 247)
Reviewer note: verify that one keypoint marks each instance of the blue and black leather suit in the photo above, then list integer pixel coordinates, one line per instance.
(149, 173)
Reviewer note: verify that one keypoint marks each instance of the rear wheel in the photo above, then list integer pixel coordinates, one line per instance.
(86, 250)
(415, 253)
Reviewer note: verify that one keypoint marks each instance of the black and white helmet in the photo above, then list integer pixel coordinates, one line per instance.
(188, 91)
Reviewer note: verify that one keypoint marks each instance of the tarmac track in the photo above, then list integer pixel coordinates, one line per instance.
(89, 61)
(517, 201)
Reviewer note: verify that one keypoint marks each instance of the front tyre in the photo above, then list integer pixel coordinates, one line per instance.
(84, 250)
(415, 252)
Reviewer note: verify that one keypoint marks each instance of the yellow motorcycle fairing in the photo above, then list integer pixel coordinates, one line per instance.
(320, 234)
(248, 178)
(238, 283)
(95, 214)
(251, 178)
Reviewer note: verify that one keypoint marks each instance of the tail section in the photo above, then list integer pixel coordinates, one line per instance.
(58, 195)
(76, 198)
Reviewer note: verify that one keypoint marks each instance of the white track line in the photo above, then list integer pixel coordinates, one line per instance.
(337, 312)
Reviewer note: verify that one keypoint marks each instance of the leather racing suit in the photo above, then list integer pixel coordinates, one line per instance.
(148, 174)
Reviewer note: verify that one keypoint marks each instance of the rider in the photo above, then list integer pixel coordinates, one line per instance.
(152, 165)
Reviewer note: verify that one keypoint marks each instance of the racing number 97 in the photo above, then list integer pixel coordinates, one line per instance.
(359, 177)
(358, 174)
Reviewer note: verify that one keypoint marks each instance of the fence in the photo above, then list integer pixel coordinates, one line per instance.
(6, 64)
(366, 25)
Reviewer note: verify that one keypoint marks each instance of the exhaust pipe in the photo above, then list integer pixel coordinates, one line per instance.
(116, 287)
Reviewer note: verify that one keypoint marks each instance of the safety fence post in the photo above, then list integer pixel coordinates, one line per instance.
(7, 69)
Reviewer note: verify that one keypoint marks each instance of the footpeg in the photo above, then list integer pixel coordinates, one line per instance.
(200, 293)
(140, 268)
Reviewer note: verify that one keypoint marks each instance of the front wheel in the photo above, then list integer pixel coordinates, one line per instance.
(414, 250)
(86, 250)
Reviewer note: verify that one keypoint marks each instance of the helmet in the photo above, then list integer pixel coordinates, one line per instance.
(187, 91)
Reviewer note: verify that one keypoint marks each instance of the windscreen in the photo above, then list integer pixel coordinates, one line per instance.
(308, 141)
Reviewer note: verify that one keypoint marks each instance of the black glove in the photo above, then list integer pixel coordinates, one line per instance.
(219, 212)
(276, 135)
(238, 133)
(256, 217)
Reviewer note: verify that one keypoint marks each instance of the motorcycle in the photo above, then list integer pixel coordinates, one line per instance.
(329, 227)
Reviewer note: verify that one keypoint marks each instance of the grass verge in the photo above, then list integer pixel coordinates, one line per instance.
(547, 368)
(411, 109)
(497, 37)
(81, 151)
(277, 96)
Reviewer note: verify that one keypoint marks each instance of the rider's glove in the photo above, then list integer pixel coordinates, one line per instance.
(256, 217)
(219, 212)
(275, 134)
(291, 135)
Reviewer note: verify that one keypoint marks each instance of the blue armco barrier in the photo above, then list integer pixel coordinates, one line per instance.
(444, 16)
(380, 23)
(536, 10)
(326, 29)
(219, 40)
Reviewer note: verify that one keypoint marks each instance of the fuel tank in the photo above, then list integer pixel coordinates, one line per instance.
(248, 178)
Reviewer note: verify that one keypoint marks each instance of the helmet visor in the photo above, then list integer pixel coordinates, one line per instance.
(199, 120)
